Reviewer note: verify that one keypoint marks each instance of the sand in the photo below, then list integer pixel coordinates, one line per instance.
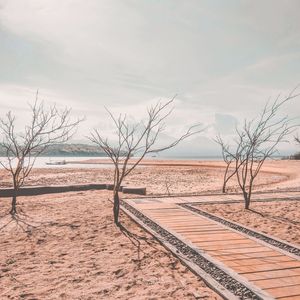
(76, 252)
(70, 248)
(280, 219)
(163, 177)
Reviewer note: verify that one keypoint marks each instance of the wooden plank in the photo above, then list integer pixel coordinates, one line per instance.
(244, 250)
(178, 225)
(273, 274)
(246, 255)
(227, 245)
(201, 231)
(277, 282)
(201, 227)
(167, 217)
(180, 219)
(200, 238)
(252, 261)
(286, 291)
(268, 267)
(197, 230)
(232, 242)
(225, 235)
(182, 227)
(152, 206)
(204, 231)
(192, 222)
(173, 210)
(175, 220)
(166, 212)
(289, 298)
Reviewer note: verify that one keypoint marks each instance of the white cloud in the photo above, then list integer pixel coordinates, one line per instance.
(220, 57)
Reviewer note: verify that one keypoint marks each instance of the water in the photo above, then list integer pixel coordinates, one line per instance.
(41, 162)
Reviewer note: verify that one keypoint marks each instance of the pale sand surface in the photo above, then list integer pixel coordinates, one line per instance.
(196, 177)
(77, 253)
(280, 219)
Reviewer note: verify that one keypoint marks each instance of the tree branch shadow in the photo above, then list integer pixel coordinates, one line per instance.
(152, 242)
(256, 212)
(27, 223)
(158, 247)
(21, 220)
(276, 218)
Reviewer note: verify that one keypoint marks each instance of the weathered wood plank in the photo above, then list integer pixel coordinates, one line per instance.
(268, 267)
(273, 274)
(286, 291)
(277, 282)
(252, 261)
(259, 255)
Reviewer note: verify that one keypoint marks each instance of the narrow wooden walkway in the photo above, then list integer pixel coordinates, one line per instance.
(270, 269)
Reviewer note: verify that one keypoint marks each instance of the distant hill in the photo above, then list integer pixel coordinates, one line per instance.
(70, 150)
(295, 156)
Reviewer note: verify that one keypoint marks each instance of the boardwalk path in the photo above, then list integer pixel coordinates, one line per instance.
(271, 272)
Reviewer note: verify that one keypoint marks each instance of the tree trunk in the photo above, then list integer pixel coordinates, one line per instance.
(224, 188)
(116, 209)
(225, 180)
(13, 209)
(247, 199)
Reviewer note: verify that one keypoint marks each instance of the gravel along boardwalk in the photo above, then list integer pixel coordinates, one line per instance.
(232, 259)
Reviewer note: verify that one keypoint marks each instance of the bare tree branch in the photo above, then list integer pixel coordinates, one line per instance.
(48, 126)
(137, 141)
(256, 142)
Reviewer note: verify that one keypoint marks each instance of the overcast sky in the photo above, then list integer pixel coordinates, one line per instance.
(223, 59)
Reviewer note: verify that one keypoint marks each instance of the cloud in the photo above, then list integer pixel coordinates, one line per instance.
(225, 124)
(221, 58)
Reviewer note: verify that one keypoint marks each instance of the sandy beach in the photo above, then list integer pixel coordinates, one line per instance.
(280, 219)
(177, 95)
(181, 177)
(67, 247)
(72, 250)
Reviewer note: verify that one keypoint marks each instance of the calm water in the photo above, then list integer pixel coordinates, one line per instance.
(41, 162)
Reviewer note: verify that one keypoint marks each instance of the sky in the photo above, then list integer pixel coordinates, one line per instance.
(223, 60)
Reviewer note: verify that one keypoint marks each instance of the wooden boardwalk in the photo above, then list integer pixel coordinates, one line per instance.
(271, 270)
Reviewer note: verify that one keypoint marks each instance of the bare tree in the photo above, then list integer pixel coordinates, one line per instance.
(136, 141)
(47, 126)
(229, 159)
(168, 185)
(257, 141)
